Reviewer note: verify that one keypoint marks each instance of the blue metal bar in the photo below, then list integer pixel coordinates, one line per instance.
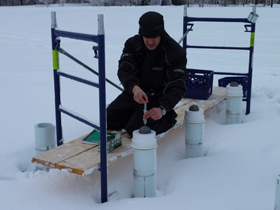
(191, 69)
(232, 20)
(59, 137)
(250, 69)
(78, 118)
(77, 79)
(102, 110)
(72, 35)
(218, 47)
(55, 43)
(185, 28)
(85, 66)
(251, 24)
(231, 73)
(221, 73)
(100, 39)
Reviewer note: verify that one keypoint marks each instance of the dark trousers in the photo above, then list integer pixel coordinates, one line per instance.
(124, 112)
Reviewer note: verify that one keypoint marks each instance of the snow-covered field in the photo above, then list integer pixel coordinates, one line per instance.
(241, 162)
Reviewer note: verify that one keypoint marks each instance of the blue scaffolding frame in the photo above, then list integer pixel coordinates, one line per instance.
(100, 40)
(249, 27)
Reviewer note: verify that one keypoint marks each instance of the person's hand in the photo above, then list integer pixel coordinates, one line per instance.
(139, 95)
(154, 113)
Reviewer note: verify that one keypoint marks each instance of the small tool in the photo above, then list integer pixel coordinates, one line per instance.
(145, 110)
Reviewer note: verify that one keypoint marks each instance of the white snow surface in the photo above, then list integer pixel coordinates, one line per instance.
(240, 164)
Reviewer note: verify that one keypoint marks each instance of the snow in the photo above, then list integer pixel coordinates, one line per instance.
(240, 164)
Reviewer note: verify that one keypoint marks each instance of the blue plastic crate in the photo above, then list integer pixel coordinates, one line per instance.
(199, 84)
(223, 82)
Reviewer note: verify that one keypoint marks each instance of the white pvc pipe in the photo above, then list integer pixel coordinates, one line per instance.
(194, 132)
(100, 24)
(144, 163)
(53, 20)
(234, 94)
(185, 10)
(277, 195)
(44, 138)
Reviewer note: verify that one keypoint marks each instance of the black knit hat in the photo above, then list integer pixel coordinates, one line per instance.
(151, 25)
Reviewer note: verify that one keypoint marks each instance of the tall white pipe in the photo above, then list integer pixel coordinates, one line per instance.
(234, 94)
(277, 195)
(194, 132)
(144, 163)
(44, 138)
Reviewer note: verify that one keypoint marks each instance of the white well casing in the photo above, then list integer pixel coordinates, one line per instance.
(144, 163)
(194, 133)
(44, 138)
(277, 194)
(234, 96)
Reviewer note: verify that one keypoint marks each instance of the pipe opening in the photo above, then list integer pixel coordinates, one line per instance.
(44, 125)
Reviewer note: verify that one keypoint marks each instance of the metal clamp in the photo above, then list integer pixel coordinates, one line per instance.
(191, 28)
(57, 43)
(187, 31)
(253, 16)
(248, 28)
(95, 49)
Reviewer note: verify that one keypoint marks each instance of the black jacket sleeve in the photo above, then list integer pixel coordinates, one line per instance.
(127, 71)
(177, 75)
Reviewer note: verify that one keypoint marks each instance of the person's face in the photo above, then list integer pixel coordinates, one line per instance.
(151, 43)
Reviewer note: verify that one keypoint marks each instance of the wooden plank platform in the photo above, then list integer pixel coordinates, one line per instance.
(83, 159)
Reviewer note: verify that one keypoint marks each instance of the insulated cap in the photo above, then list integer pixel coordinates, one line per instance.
(144, 141)
(194, 108)
(234, 84)
(145, 130)
(151, 25)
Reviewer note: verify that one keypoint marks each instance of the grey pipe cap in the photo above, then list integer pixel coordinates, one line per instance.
(194, 108)
(234, 84)
(145, 130)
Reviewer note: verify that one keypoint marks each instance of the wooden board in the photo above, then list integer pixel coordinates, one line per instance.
(83, 159)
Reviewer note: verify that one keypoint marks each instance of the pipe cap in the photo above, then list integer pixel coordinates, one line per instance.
(194, 108)
(145, 130)
(144, 141)
(234, 84)
(196, 116)
(233, 90)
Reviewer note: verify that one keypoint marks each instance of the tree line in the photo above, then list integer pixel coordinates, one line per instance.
(138, 2)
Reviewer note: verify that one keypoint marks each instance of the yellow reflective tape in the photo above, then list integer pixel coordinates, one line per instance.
(55, 59)
(252, 43)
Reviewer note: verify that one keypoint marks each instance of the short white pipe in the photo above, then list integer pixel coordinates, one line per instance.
(53, 20)
(144, 164)
(194, 132)
(100, 24)
(44, 138)
(185, 10)
(277, 195)
(234, 96)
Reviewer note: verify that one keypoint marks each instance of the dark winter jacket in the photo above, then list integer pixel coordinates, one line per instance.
(163, 70)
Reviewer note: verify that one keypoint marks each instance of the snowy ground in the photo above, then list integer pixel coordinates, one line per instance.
(241, 162)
